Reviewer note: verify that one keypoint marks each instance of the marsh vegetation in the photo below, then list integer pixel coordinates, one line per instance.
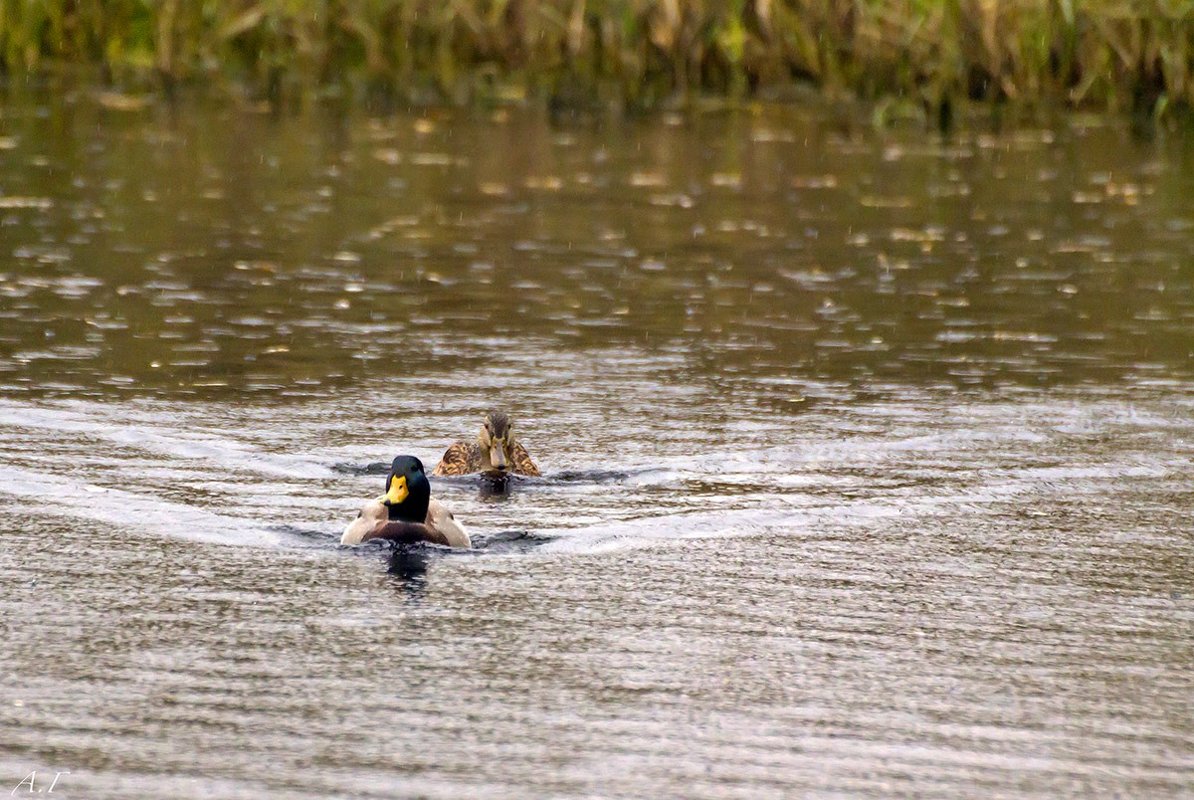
(918, 57)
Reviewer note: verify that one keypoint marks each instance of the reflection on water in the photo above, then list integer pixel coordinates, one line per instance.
(410, 565)
(214, 252)
(867, 459)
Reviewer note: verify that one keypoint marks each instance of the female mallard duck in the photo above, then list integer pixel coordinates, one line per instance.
(406, 512)
(495, 451)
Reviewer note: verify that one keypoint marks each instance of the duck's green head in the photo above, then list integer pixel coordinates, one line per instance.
(408, 492)
(497, 441)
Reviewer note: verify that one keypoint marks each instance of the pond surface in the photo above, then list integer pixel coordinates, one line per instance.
(867, 457)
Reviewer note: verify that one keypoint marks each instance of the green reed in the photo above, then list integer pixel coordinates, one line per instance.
(917, 56)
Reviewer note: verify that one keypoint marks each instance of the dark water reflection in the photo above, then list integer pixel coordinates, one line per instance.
(867, 458)
(202, 249)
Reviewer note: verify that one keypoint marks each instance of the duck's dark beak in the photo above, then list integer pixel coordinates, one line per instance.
(497, 456)
(397, 491)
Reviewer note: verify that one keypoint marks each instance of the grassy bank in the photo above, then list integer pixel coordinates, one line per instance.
(926, 54)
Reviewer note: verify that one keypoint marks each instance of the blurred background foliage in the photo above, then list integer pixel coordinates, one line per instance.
(922, 56)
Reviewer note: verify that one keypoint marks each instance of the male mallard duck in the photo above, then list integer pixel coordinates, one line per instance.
(496, 450)
(406, 512)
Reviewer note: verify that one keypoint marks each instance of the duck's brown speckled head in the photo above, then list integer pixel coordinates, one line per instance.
(497, 441)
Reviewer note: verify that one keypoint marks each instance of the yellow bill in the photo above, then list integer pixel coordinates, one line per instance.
(397, 491)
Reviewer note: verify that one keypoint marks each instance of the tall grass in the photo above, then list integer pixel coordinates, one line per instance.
(1105, 54)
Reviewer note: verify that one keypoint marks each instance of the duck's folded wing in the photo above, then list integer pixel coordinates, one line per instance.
(521, 461)
(456, 460)
(372, 513)
(443, 522)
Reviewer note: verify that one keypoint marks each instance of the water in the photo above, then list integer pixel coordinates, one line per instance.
(867, 458)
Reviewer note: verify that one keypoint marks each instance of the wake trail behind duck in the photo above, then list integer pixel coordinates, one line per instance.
(39, 493)
(95, 423)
